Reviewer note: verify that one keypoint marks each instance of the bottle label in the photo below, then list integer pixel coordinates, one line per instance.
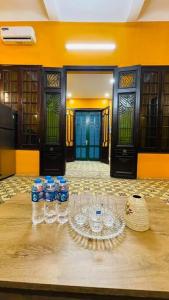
(64, 195)
(50, 196)
(63, 188)
(58, 195)
(37, 196)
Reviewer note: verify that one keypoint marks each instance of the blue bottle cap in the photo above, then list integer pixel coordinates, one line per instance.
(48, 177)
(59, 177)
(50, 180)
(37, 180)
(63, 181)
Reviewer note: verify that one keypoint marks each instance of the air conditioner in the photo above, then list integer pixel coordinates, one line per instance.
(23, 35)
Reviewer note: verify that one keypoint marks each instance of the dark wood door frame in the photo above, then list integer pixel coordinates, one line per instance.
(56, 151)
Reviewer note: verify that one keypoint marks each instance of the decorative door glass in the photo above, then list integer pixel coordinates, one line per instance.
(52, 118)
(30, 107)
(126, 104)
(10, 88)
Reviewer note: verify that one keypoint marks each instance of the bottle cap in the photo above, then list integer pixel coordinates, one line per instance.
(63, 181)
(59, 177)
(37, 180)
(48, 177)
(50, 180)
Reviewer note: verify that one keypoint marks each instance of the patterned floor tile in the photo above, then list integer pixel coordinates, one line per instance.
(84, 176)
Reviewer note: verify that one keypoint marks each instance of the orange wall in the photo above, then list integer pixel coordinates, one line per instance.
(151, 165)
(87, 103)
(27, 162)
(137, 43)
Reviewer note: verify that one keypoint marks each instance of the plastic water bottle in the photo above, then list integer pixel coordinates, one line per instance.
(46, 180)
(62, 204)
(37, 202)
(50, 202)
(57, 185)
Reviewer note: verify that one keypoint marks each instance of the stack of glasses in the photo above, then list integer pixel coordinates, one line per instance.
(98, 212)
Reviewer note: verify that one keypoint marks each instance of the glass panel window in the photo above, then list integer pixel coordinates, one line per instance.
(126, 103)
(53, 80)
(10, 88)
(127, 79)
(31, 89)
(52, 118)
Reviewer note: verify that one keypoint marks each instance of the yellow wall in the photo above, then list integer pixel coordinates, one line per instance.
(151, 165)
(7, 161)
(137, 43)
(27, 162)
(87, 103)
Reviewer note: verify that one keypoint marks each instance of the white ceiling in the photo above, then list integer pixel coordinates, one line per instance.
(89, 85)
(22, 10)
(84, 10)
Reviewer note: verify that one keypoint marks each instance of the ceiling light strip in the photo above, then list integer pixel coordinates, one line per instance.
(91, 46)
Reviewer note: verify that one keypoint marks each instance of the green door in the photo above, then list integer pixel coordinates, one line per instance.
(87, 127)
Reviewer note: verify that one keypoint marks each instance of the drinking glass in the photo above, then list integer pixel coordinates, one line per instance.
(77, 209)
(109, 211)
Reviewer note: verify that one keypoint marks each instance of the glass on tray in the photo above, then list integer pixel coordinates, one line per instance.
(95, 215)
(76, 209)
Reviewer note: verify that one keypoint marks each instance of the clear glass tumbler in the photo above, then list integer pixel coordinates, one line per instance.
(77, 206)
(109, 211)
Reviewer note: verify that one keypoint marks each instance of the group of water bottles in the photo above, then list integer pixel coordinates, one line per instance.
(50, 200)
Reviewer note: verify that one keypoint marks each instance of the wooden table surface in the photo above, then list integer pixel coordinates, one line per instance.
(46, 258)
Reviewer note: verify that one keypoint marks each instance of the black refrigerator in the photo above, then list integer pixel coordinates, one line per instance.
(7, 141)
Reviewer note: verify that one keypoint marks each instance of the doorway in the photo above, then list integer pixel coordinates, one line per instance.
(119, 120)
(87, 135)
(89, 115)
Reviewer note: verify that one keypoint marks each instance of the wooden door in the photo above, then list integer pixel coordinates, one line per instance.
(94, 134)
(87, 128)
(52, 149)
(69, 135)
(105, 135)
(125, 122)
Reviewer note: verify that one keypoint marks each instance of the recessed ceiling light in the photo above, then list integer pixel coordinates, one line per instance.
(107, 95)
(69, 95)
(112, 80)
(91, 46)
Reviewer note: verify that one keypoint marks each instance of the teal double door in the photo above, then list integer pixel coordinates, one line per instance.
(87, 135)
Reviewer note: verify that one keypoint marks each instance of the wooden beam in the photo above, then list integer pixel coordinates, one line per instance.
(135, 10)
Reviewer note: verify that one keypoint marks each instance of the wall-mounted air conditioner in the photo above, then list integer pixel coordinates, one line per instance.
(23, 35)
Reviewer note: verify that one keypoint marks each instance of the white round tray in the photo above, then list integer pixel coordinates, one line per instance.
(105, 234)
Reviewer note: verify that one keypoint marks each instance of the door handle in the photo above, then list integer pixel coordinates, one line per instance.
(86, 142)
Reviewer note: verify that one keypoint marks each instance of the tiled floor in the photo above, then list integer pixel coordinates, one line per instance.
(94, 177)
(87, 169)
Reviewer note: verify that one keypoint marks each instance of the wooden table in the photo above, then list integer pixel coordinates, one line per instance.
(45, 263)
